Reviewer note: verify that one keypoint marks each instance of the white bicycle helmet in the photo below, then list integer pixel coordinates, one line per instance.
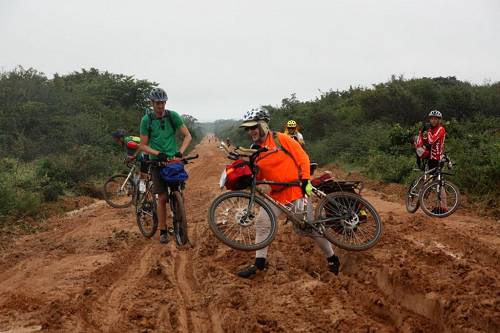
(252, 117)
(435, 113)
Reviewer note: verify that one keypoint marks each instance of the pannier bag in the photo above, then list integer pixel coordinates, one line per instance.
(174, 173)
(238, 176)
(328, 184)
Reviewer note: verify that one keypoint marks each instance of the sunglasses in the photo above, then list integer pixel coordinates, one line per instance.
(251, 128)
(159, 102)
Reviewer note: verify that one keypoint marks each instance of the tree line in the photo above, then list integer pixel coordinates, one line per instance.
(370, 129)
(55, 133)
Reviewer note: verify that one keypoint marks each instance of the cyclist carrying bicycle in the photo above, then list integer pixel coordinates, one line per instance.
(285, 161)
(131, 145)
(434, 135)
(291, 130)
(157, 132)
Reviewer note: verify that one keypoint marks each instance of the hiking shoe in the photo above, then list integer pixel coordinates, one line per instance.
(247, 272)
(164, 238)
(334, 264)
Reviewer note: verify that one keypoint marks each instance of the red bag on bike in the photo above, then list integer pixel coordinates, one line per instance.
(238, 175)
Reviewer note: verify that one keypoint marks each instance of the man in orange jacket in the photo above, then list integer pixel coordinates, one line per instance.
(280, 166)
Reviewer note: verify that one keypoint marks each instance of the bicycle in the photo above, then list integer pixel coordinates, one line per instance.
(338, 216)
(120, 190)
(431, 192)
(147, 217)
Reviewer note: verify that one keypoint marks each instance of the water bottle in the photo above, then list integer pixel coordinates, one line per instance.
(142, 186)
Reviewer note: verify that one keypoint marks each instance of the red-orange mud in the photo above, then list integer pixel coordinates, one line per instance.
(92, 271)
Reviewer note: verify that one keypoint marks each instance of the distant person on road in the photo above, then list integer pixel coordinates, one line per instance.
(158, 140)
(292, 130)
(278, 165)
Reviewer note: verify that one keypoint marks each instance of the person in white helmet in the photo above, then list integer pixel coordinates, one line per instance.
(434, 136)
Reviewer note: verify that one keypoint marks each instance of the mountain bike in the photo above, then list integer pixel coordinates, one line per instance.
(147, 217)
(119, 190)
(345, 219)
(436, 196)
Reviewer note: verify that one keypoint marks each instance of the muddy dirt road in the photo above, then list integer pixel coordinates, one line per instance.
(92, 271)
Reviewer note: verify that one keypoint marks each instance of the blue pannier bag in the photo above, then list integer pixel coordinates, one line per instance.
(174, 173)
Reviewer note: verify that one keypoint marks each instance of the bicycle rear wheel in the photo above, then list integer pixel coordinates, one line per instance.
(412, 196)
(118, 191)
(179, 218)
(349, 221)
(441, 204)
(236, 226)
(146, 215)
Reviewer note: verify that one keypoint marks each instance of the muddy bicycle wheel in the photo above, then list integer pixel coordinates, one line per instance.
(146, 215)
(412, 196)
(440, 204)
(238, 227)
(349, 221)
(179, 218)
(118, 191)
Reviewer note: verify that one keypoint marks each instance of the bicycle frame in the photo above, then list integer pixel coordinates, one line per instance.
(130, 173)
(435, 173)
(296, 218)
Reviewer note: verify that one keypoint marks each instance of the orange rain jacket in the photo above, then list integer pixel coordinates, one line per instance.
(276, 165)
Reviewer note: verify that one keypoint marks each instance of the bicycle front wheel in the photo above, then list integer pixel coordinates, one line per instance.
(440, 200)
(240, 226)
(146, 215)
(412, 196)
(118, 191)
(349, 221)
(180, 222)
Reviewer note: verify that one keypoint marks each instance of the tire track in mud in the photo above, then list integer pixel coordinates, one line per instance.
(200, 317)
(113, 298)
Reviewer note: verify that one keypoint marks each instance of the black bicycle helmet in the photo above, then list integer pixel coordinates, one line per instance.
(119, 133)
(158, 95)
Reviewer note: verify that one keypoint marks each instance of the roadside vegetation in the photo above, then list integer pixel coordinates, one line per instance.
(370, 130)
(55, 134)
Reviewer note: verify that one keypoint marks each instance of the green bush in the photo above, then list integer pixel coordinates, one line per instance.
(389, 168)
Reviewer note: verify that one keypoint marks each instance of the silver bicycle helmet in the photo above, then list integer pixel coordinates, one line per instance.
(158, 95)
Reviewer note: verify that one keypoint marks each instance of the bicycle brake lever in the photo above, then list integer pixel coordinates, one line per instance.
(233, 156)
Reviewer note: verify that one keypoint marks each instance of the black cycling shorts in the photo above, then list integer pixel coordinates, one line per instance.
(433, 164)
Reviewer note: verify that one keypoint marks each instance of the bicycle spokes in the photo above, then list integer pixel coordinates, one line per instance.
(239, 225)
(146, 214)
(349, 221)
(440, 198)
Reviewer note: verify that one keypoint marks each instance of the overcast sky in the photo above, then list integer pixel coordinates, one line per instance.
(217, 59)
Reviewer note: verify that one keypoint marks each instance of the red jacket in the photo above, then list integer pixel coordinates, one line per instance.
(435, 138)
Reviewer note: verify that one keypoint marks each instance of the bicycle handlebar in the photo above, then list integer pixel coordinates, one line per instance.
(184, 160)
